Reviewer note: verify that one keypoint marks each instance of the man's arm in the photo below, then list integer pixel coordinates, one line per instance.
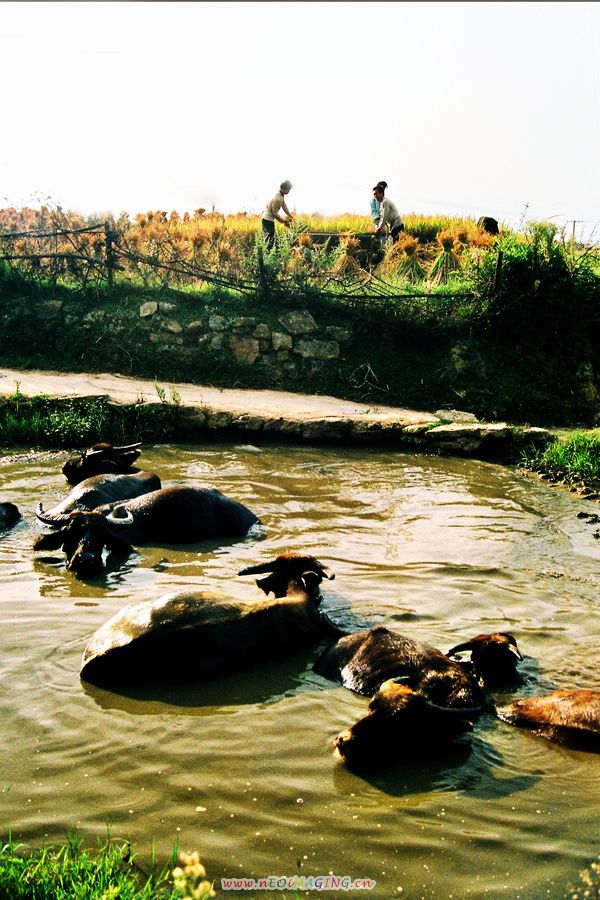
(285, 209)
(383, 209)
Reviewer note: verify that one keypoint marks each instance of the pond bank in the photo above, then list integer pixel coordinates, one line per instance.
(197, 412)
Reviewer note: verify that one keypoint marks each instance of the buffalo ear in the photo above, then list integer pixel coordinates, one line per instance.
(118, 546)
(51, 541)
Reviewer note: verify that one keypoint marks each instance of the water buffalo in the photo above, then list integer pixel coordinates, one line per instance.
(101, 458)
(420, 697)
(98, 491)
(364, 660)
(493, 656)
(173, 515)
(489, 225)
(197, 635)
(401, 722)
(570, 717)
(9, 514)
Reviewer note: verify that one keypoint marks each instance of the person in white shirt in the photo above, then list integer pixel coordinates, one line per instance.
(390, 217)
(271, 213)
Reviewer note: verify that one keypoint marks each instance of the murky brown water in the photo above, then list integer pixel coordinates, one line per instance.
(242, 769)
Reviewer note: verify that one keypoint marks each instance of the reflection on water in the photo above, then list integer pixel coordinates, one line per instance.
(243, 768)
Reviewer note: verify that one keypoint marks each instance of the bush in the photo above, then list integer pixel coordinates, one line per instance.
(545, 290)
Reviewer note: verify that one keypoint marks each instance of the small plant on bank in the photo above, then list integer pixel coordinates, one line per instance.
(189, 878)
(575, 461)
(588, 885)
(61, 872)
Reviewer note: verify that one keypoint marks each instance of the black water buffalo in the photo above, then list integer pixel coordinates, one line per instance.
(173, 515)
(401, 722)
(364, 660)
(196, 635)
(489, 225)
(98, 491)
(570, 717)
(9, 515)
(416, 690)
(101, 458)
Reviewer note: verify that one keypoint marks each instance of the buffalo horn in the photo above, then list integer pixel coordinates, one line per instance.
(259, 569)
(101, 451)
(107, 451)
(58, 519)
(466, 712)
(276, 564)
(460, 648)
(125, 519)
(128, 447)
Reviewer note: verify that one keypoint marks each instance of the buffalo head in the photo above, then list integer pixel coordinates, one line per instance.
(9, 514)
(101, 459)
(83, 538)
(400, 723)
(288, 573)
(493, 656)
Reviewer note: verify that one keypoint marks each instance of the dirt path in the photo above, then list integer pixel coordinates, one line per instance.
(261, 403)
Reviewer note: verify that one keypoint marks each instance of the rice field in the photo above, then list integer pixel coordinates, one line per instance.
(432, 249)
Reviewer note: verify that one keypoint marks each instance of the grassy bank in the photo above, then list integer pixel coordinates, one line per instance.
(506, 327)
(573, 460)
(67, 870)
(78, 422)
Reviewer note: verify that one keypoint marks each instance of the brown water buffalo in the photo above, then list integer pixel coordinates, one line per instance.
(99, 490)
(102, 458)
(197, 635)
(173, 515)
(493, 656)
(9, 515)
(401, 722)
(570, 717)
(416, 690)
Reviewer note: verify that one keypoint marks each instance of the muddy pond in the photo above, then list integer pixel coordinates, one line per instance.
(242, 769)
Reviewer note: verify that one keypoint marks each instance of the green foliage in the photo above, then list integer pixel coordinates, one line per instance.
(38, 421)
(444, 265)
(544, 290)
(68, 870)
(574, 461)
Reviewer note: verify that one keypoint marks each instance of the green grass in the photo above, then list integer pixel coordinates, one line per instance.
(43, 422)
(574, 460)
(68, 870)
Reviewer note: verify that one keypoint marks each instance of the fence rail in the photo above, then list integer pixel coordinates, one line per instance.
(348, 288)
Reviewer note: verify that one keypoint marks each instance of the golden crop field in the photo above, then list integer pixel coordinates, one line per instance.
(431, 246)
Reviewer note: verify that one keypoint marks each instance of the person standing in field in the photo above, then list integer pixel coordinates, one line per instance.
(390, 217)
(376, 213)
(271, 213)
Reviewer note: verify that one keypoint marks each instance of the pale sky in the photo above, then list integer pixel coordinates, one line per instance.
(469, 108)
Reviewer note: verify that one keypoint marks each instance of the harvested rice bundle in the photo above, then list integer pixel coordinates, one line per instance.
(401, 259)
(446, 261)
(345, 264)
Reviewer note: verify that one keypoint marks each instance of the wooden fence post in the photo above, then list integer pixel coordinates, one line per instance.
(498, 272)
(110, 255)
(264, 285)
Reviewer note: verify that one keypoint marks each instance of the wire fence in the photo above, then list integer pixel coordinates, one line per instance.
(110, 254)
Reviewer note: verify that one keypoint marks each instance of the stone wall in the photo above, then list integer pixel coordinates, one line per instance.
(296, 343)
